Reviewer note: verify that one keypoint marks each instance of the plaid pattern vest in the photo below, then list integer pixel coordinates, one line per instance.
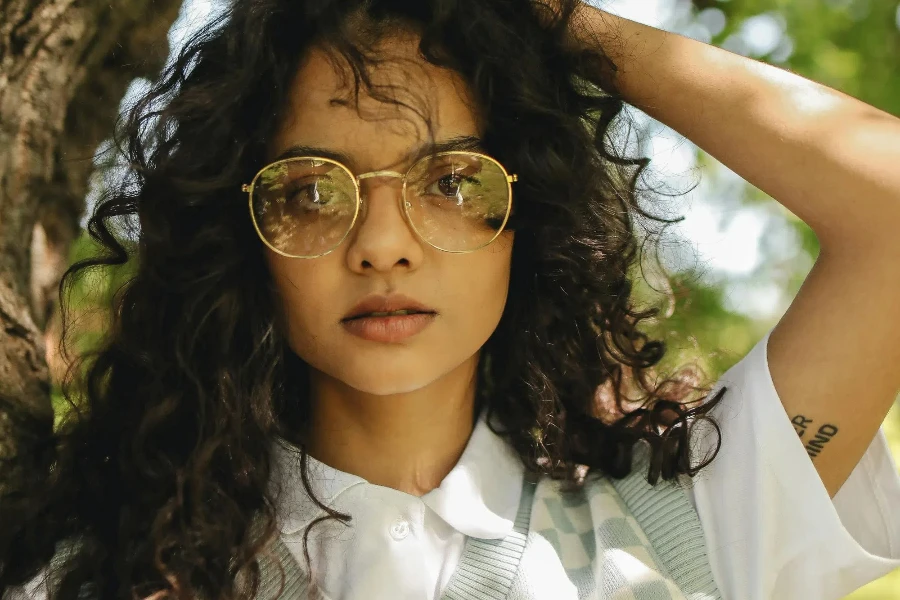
(648, 545)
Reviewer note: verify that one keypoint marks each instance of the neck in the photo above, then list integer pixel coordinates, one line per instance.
(408, 442)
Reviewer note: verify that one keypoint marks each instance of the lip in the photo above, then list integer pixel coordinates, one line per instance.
(388, 329)
(393, 328)
(377, 303)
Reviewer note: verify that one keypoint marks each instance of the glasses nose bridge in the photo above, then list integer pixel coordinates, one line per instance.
(363, 196)
(371, 174)
(374, 174)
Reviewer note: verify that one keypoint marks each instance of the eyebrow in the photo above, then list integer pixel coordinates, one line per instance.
(459, 143)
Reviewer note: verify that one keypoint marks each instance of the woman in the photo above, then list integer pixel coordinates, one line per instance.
(382, 321)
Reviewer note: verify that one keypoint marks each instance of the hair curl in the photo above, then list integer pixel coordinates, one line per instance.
(159, 473)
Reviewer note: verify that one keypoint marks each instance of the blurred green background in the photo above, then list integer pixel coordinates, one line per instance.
(740, 257)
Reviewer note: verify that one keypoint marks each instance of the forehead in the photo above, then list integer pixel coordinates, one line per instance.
(375, 135)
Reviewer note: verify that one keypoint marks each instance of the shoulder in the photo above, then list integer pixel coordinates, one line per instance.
(762, 503)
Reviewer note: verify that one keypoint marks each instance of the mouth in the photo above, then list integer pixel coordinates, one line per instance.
(394, 313)
(388, 318)
(387, 306)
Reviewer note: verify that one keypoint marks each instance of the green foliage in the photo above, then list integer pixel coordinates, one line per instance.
(90, 301)
(100, 283)
(700, 329)
(850, 45)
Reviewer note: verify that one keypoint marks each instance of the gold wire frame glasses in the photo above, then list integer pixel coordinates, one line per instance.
(455, 201)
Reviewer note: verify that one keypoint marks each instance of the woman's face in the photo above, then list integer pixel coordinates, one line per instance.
(382, 256)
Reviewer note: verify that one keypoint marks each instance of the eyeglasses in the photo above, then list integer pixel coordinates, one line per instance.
(454, 201)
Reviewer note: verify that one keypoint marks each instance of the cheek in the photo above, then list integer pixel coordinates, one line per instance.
(484, 286)
(499, 263)
(497, 283)
(304, 293)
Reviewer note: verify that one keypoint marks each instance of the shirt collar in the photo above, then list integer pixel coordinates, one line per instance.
(479, 497)
(293, 506)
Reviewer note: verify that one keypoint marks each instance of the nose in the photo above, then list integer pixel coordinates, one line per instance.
(382, 240)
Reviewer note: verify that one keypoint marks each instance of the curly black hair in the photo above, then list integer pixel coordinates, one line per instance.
(157, 478)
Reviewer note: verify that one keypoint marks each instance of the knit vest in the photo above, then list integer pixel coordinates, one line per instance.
(647, 545)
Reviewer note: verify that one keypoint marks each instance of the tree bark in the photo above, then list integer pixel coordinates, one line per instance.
(64, 68)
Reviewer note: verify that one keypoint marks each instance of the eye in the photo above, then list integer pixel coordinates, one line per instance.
(449, 184)
(310, 195)
(452, 184)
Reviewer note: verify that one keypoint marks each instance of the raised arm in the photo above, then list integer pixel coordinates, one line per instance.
(832, 160)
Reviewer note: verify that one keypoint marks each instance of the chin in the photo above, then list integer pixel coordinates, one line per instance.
(383, 380)
(390, 371)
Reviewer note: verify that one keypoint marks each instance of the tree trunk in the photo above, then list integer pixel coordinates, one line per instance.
(64, 68)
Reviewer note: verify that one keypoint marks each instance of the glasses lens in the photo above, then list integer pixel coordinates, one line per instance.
(304, 207)
(457, 201)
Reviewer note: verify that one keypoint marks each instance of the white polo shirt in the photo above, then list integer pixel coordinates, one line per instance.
(772, 532)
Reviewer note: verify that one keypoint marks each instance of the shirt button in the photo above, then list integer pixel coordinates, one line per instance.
(399, 529)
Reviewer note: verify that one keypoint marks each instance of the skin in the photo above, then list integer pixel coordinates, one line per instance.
(397, 414)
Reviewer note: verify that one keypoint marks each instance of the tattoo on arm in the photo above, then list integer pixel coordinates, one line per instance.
(800, 423)
(822, 436)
